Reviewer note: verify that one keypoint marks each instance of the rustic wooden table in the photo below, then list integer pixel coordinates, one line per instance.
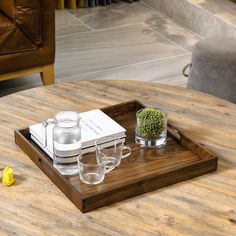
(202, 206)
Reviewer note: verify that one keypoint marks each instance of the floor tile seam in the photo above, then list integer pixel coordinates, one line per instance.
(178, 84)
(117, 27)
(75, 24)
(170, 77)
(77, 21)
(80, 21)
(131, 65)
(100, 30)
(71, 34)
(165, 37)
(172, 20)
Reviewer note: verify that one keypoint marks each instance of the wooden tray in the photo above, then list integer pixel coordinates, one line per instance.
(143, 171)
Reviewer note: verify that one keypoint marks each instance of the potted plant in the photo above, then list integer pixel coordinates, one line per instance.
(151, 127)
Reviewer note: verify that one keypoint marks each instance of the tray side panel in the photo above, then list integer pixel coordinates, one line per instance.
(150, 184)
(116, 110)
(197, 149)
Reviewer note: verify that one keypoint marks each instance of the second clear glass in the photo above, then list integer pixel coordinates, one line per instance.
(115, 152)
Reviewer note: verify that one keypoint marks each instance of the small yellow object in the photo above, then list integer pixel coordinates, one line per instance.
(8, 178)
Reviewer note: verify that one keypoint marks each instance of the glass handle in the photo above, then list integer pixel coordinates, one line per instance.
(126, 148)
(45, 125)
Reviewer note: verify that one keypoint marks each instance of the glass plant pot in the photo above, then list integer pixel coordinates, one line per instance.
(151, 128)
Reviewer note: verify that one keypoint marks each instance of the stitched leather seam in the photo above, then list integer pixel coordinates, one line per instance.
(39, 38)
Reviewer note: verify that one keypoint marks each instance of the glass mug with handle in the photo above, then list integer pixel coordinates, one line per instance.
(66, 135)
(92, 166)
(114, 152)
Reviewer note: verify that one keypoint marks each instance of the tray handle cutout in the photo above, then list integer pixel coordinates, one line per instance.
(174, 132)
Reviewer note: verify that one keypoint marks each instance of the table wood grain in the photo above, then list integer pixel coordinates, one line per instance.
(202, 206)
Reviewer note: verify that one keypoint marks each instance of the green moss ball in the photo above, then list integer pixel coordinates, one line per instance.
(151, 123)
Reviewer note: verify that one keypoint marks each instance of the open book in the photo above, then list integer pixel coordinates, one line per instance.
(94, 124)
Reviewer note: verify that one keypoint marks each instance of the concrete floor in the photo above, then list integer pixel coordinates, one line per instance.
(119, 41)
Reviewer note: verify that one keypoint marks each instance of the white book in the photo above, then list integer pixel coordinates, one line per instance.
(95, 124)
(84, 150)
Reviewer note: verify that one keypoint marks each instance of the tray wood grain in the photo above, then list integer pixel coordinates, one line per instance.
(143, 171)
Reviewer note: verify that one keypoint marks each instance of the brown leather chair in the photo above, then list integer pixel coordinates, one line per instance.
(27, 39)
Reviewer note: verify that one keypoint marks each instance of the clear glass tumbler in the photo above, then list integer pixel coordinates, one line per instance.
(66, 141)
